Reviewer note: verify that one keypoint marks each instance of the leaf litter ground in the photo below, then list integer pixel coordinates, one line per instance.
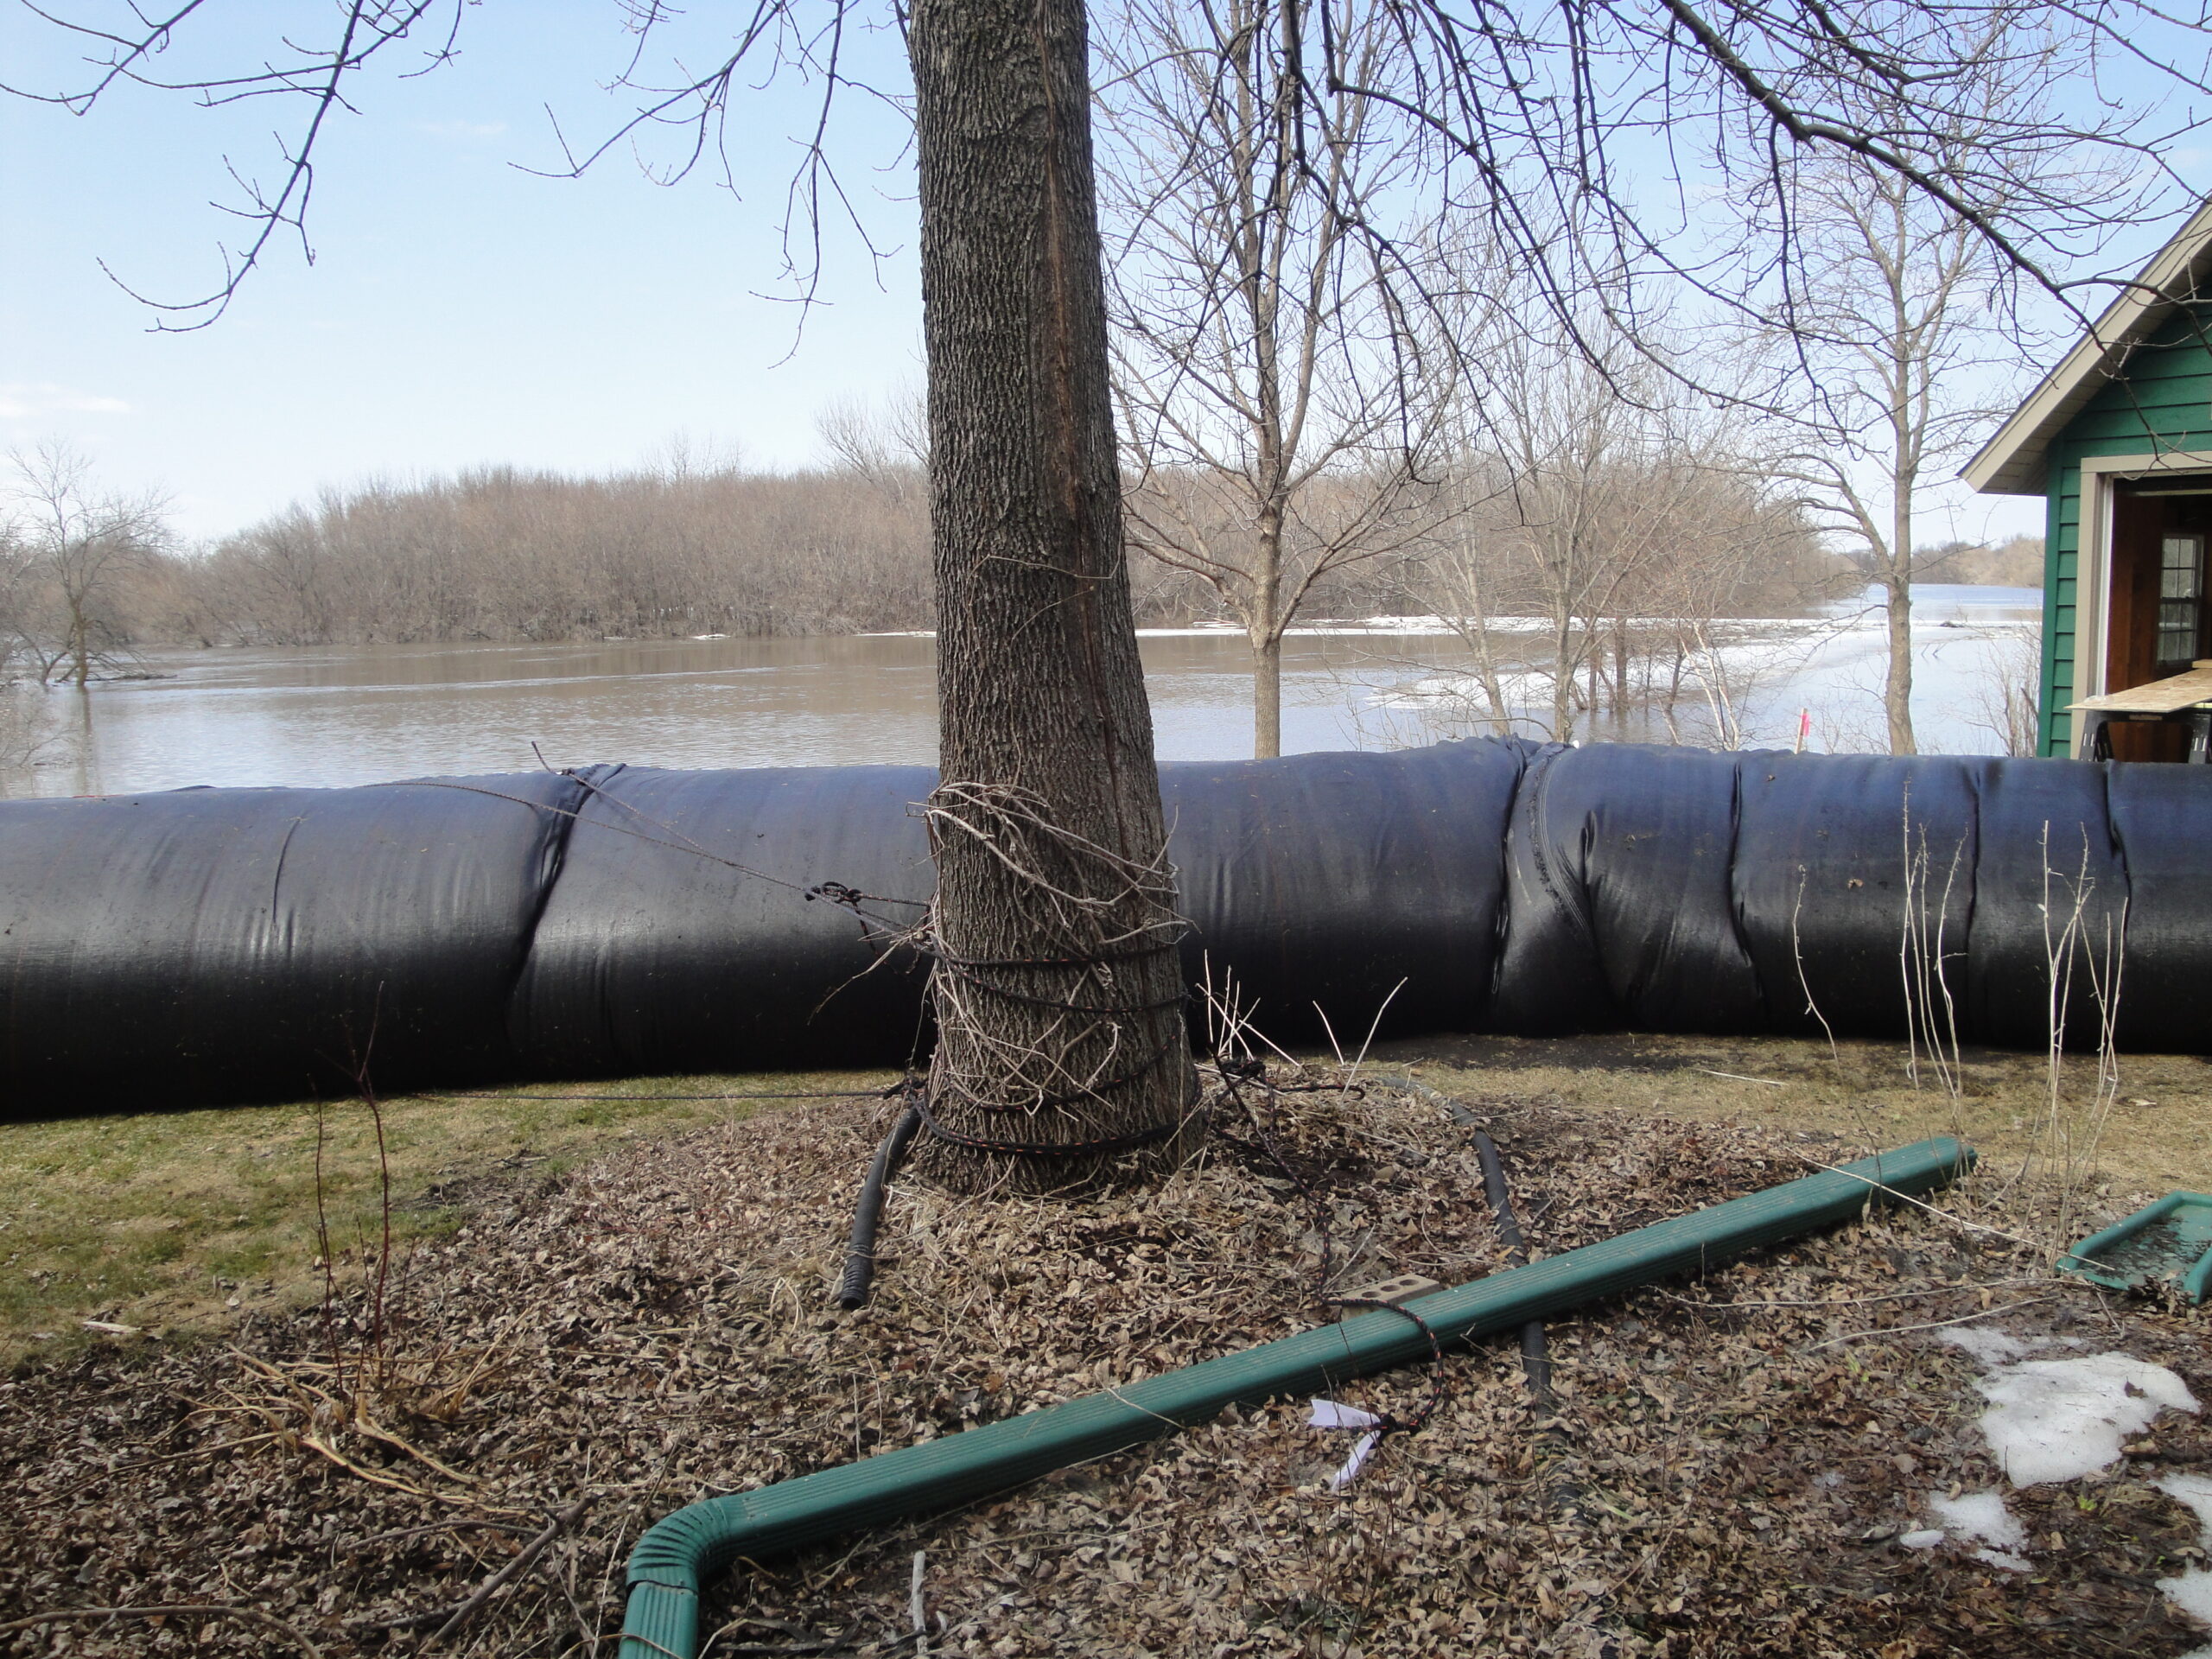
(1725, 1466)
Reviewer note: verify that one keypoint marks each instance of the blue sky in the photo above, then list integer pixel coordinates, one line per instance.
(459, 311)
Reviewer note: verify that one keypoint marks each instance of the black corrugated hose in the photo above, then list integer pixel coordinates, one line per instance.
(1536, 1359)
(860, 1254)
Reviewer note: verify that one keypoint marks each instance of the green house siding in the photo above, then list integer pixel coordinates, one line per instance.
(2161, 402)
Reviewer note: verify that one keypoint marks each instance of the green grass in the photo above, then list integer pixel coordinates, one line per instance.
(161, 1220)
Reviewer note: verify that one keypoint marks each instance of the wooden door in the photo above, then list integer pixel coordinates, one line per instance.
(2161, 537)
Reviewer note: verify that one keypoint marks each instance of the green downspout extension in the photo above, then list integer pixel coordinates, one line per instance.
(673, 1558)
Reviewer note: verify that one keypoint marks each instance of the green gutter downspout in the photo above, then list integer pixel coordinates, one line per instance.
(673, 1558)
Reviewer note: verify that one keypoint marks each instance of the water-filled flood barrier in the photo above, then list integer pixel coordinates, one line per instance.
(237, 943)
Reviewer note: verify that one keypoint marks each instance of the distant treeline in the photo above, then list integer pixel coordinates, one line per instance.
(2014, 563)
(502, 554)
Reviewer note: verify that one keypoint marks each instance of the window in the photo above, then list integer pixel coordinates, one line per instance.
(2181, 600)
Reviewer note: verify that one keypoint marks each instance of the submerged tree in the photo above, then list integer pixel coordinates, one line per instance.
(1275, 411)
(73, 546)
(1897, 297)
(1892, 314)
(1620, 527)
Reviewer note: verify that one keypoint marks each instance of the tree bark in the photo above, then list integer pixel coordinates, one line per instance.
(1057, 990)
(1897, 684)
(1905, 436)
(1265, 634)
(1267, 697)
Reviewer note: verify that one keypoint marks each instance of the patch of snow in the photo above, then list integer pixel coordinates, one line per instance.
(2192, 1590)
(1975, 1518)
(2192, 1593)
(2053, 1419)
(2195, 1490)
(1987, 1346)
(1980, 1516)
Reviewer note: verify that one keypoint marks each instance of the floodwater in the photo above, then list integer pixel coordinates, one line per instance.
(353, 714)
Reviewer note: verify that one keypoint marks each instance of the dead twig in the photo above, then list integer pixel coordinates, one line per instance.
(529, 1552)
(1932, 1324)
(196, 1452)
(798, 1638)
(1753, 1304)
(168, 1609)
(395, 1536)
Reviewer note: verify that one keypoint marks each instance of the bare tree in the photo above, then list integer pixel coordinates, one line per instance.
(886, 446)
(1603, 530)
(79, 544)
(17, 583)
(2007, 691)
(1895, 315)
(683, 457)
(1260, 363)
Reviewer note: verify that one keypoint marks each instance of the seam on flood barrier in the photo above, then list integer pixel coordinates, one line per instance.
(582, 783)
(1732, 904)
(1570, 896)
(1976, 778)
(2117, 842)
(1477, 1017)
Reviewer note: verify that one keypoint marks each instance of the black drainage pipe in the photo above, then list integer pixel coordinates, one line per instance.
(1536, 1357)
(859, 1253)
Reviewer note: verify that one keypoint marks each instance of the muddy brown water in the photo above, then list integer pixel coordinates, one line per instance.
(341, 715)
(354, 714)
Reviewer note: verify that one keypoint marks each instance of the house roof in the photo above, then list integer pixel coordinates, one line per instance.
(2012, 462)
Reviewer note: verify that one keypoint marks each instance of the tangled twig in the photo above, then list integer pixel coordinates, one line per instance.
(168, 1609)
(1085, 1015)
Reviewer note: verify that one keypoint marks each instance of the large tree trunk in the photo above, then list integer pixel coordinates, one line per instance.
(1057, 991)
(1905, 437)
(1265, 637)
(1267, 698)
(1897, 684)
(1897, 583)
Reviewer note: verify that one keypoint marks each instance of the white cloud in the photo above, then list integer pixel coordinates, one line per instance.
(27, 400)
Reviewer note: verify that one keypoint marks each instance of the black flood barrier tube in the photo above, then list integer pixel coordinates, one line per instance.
(675, 1557)
(266, 944)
